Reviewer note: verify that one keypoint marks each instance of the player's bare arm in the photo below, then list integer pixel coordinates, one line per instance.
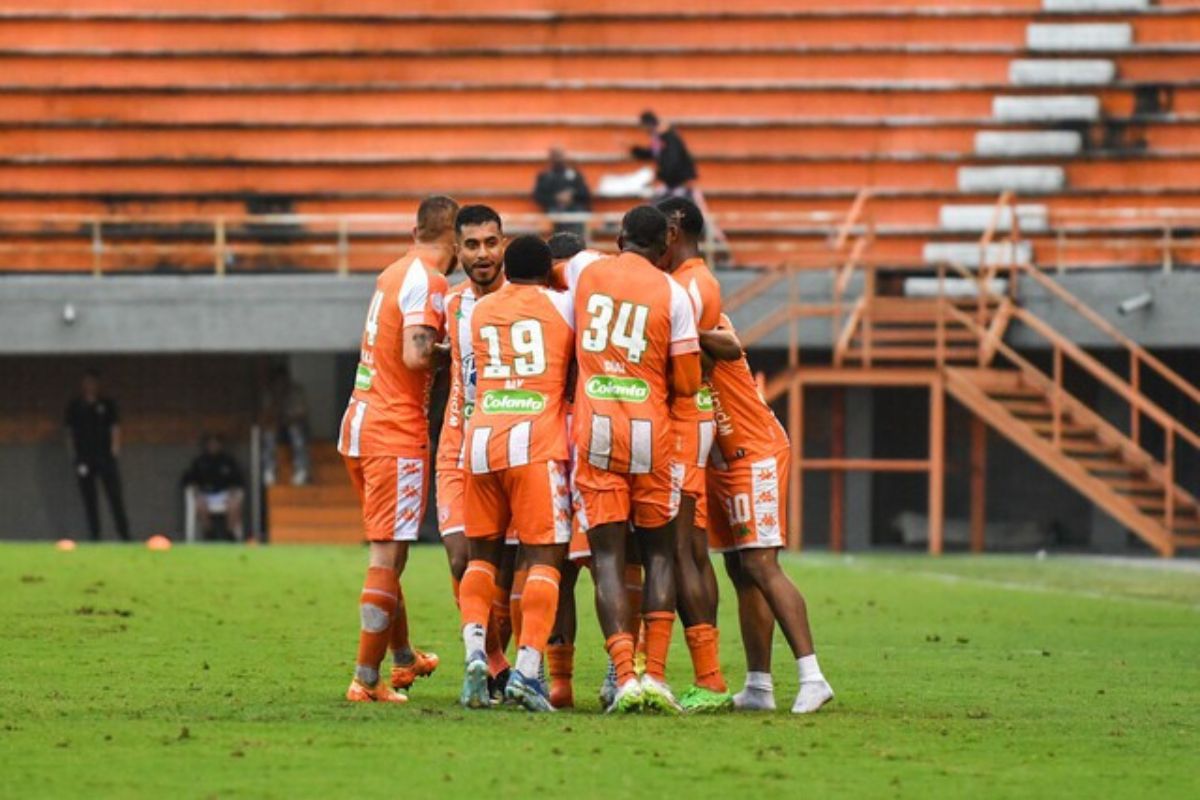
(418, 350)
(721, 345)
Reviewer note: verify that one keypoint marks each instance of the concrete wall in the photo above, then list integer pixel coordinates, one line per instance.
(306, 314)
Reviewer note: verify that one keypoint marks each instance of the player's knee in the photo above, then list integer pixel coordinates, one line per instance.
(759, 566)
(374, 618)
(458, 563)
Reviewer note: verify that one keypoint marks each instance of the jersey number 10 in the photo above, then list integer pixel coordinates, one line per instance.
(628, 332)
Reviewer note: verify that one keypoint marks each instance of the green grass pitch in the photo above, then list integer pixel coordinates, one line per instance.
(219, 672)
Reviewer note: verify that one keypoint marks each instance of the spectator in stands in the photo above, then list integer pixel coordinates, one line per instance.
(675, 169)
(284, 414)
(93, 445)
(216, 484)
(561, 189)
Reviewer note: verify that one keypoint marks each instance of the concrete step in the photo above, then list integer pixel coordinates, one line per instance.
(1024, 179)
(956, 287)
(1032, 218)
(1011, 108)
(1028, 143)
(1086, 6)
(1054, 37)
(969, 254)
(1065, 72)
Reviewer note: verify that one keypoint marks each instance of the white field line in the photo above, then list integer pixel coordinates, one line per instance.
(1012, 586)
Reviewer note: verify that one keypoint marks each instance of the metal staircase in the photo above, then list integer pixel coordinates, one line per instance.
(947, 331)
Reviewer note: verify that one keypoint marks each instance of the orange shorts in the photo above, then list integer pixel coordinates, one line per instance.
(535, 499)
(750, 499)
(392, 493)
(451, 485)
(693, 441)
(650, 500)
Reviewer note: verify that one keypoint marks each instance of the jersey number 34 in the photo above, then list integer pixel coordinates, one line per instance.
(628, 331)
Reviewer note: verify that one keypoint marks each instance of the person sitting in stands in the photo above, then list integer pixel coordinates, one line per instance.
(216, 482)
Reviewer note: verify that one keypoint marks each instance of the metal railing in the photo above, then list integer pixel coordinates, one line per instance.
(342, 243)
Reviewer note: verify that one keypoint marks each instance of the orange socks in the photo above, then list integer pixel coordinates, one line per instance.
(514, 602)
(539, 604)
(497, 661)
(399, 634)
(475, 600)
(560, 663)
(633, 589)
(620, 652)
(702, 643)
(658, 641)
(377, 607)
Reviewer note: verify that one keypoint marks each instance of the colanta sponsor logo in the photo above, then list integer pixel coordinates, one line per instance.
(513, 401)
(623, 390)
(363, 377)
(704, 400)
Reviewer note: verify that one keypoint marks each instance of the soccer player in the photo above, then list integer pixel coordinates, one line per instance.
(384, 440)
(747, 485)
(637, 341)
(692, 422)
(479, 238)
(524, 335)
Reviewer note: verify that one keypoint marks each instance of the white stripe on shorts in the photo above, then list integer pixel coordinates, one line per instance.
(764, 482)
(410, 488)
(600, 443)
(706, 442)
(360, 411)
(479, 450)
(560, 494)
(641, 446)
(518, 444)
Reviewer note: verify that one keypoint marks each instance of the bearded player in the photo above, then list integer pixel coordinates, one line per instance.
(637, 341)
(747, 486)
(524, 337)
(479, 237)
(384, 440)
(692, 422)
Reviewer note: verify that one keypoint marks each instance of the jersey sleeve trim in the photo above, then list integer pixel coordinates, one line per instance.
(684, 338)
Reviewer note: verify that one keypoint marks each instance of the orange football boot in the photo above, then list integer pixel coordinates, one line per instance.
(360, 692)
(423, 665)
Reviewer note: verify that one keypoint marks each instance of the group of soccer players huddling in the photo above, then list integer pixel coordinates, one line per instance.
(601, 415)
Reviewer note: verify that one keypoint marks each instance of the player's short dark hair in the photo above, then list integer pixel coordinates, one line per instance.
(645, 227)
(435, 216)
(565, 244)
(690, 220)
(648, 118)
(476, 215)
(527, 258)
(92, 372)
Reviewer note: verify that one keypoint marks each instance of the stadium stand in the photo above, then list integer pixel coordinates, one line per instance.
(211, 136)
(145, 109)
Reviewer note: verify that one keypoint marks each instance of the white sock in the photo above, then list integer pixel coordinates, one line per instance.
(529, 662)
(810, 671)
(474, 638)
(760, 681)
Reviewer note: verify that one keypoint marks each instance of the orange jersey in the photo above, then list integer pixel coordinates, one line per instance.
(631, 318)
(746, 426)
(460, 302)
(388, 413)
(524, 337)
(705, 293)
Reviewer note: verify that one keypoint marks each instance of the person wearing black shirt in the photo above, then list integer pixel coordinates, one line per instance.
(676, 170)
(216, 480)
(560, 188)
(93, 444)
